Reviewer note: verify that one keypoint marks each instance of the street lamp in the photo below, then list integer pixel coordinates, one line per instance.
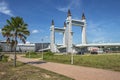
(72, 56)
(43, 45)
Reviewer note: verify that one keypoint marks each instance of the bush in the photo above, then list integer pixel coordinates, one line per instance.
(4, 58)
(49, 53)
(31, 54)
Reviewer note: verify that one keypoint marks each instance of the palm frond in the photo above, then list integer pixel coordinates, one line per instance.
(15, 28)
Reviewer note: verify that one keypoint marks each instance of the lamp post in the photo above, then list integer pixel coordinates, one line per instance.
(42, 48)
(43, 40)
(72, 56)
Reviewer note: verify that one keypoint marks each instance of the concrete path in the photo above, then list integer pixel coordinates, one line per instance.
(75, 72)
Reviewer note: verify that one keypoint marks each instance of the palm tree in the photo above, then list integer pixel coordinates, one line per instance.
(15, 29)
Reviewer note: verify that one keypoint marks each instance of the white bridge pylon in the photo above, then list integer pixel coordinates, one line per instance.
(68, 33)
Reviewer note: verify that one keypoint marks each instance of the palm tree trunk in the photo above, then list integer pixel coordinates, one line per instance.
(15, 57)
(15, 51)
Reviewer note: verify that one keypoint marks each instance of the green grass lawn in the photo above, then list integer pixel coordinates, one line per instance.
(26, 72)
(104, 61)
(111, 62)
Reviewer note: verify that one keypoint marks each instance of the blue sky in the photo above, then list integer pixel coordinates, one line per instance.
(103, 18)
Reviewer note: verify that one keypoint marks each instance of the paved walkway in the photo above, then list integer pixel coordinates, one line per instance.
(75, 72)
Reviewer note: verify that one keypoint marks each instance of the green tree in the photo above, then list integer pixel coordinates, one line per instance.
(15, 29)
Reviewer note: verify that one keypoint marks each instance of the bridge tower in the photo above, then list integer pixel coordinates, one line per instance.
(69, 32)
(64, 35)
(84, 40)
(52, 37)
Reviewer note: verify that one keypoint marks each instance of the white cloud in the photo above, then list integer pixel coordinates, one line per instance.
(64, 9)
(4, 9)
(72, 4)
(35, 31)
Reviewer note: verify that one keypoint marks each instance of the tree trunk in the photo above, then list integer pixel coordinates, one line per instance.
(15, 57)
(15, 52)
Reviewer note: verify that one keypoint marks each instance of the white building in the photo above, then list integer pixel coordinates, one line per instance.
(25, 47)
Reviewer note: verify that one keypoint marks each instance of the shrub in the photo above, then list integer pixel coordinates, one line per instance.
(31, 54)
(4, 58)
(49, 53)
